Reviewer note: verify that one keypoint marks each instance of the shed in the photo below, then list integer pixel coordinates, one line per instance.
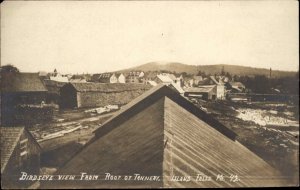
(17, 89)
(208, 92)
(19, 153)
(162, 134)
(80, 95)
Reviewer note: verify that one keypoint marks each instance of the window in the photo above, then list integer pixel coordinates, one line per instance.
(23, 152)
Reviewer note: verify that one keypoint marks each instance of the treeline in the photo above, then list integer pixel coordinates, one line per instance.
(263, 84)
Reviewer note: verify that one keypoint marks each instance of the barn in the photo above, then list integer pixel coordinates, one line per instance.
(20, 89)
(19, 153)
(81, 95)
(208, 92)
(162, 134)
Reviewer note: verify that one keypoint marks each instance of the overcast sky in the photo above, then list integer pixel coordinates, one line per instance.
(93, 36)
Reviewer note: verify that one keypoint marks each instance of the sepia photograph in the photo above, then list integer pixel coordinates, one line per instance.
(149, 94)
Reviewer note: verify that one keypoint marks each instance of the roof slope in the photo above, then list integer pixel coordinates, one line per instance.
(165, 78)
(9, 140)
(158, 134)
(24, 82)
(108, 87)
(200, 89)
(193, 147)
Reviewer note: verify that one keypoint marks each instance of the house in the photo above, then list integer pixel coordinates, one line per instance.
(177, 87)
(79, 78)
(43, 75)
(149, 76)
(151, 82)
(59, 78)
(214, 80)
(53, 88)
(20, 89)
(179, 80)
(121, 78)
(162, 134)
(220, 91)
(108, 78)
(19, 153)
(171, 76)
(95, 77)
(135, 77)
(163, 79)
(237, 86)
(196, 80)
(79, 95)
(208, 92)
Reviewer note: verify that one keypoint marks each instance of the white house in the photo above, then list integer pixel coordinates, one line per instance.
(121, 78)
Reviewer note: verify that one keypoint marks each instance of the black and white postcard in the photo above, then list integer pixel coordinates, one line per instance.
(149, 94)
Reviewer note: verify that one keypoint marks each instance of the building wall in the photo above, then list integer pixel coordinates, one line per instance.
(121, 79)
(10, 101)
(94, 99)
(113, 79)
(220, 92)
(132, 79)
(29, 162)
(213, 93)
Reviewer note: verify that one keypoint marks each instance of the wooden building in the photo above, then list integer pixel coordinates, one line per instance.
(135, 77)
(160, 133)
(79, 95)
(108, 78)
(163, 79)
(121, 78)
(19, 153)
(20, 89)
(208, 92)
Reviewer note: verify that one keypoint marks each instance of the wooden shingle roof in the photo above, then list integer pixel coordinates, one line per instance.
(9, 140)
(24, 82)
(160, 133)
(108, 87)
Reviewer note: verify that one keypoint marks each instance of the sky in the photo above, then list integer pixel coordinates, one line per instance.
(102, 36)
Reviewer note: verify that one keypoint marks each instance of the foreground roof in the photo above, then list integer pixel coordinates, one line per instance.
(162, 134)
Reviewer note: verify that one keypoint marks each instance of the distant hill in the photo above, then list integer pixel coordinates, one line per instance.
(208, 69)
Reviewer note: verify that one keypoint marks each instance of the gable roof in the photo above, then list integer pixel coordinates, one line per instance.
(95, 77)
(172, 76)
(159, 134)
(59, 79)
(24, 82)
(164, 78)
(155, 93)
(207, 88)
(108, 87)
(238, 84)
(177, 87)
(214, 79)
(119, 74)
(197, 77)
(9, 140)
(106, 75)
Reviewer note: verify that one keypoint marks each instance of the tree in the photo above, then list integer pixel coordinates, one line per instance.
(9, 69)
(7, 73)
